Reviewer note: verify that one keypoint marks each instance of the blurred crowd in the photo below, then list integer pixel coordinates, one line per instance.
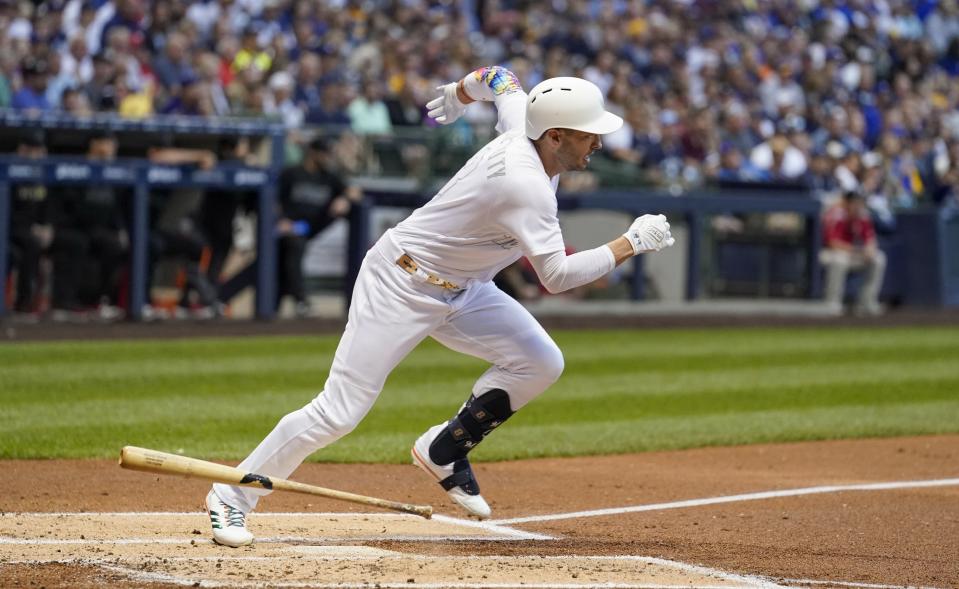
(834, 94)
(840, 96)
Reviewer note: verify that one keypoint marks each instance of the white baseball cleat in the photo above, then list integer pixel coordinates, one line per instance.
(456, 478)
(229, 523)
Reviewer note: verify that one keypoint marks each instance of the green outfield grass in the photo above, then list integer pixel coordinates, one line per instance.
(623, 391)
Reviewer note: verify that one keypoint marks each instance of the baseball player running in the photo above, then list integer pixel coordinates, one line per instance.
(432, 275)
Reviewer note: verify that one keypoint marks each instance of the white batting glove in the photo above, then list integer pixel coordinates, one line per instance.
(649, 233)
(446, 108)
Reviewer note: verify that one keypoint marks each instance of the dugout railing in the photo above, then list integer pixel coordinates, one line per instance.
(694, 207)
(923, 251)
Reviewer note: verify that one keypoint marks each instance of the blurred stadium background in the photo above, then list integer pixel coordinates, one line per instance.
(150, 152)
(144, 145)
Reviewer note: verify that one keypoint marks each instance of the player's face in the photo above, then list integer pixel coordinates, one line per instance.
(575, 147)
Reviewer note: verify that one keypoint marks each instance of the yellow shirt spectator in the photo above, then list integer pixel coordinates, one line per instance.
(261, 60)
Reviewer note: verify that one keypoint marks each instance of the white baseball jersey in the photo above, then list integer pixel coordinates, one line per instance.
(500, 206)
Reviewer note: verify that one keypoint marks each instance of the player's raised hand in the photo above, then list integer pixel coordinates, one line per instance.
(649, 233)
(446, 108)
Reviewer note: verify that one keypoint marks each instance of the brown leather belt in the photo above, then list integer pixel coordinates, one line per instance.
(406, 262)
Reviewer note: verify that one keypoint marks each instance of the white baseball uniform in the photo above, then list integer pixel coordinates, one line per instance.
(500, 206)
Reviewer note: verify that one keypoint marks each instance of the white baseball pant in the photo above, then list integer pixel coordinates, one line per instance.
(391, 312)
(839, 263)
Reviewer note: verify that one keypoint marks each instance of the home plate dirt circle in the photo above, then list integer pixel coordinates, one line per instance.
(289, 553)
(878, 514)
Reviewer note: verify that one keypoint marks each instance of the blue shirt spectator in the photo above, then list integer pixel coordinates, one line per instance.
(32, 96)
(733, 166)
(173, 66)
(129, 15)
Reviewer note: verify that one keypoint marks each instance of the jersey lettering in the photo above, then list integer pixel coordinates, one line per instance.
(497, 165)
(507, 242)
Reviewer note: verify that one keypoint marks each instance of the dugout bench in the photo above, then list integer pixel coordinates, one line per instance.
(142, 176)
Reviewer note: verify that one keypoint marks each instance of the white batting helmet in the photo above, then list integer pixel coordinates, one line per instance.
(568, 103)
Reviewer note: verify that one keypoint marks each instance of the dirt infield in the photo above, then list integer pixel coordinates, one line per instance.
(865, 513)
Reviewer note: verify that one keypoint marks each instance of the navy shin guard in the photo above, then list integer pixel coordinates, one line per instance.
(479, 417)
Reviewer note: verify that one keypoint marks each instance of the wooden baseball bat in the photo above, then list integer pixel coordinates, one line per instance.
(134, 458)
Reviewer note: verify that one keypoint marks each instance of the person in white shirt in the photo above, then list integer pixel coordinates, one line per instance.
(432, 274)
(76, 62)
(279, 100)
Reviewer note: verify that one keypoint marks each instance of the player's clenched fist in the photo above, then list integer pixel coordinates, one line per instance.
(649, 233)
(447, 108)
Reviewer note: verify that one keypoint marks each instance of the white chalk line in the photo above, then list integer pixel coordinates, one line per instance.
(887, 486)
(254, 515)
(86, 541)
(491, 527)
(164, 577)
(431, 557)
(504, 532)
(265, 540)
(853, 584)
(747, 582)
(752, 581)
(501, 526)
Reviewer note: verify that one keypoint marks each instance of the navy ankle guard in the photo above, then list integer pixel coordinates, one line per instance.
(462, 477)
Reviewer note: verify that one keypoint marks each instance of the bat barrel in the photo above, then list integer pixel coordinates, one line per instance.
(144, 459)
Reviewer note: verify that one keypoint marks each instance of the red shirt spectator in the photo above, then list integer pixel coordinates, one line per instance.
(846, 226)
(851, 246)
